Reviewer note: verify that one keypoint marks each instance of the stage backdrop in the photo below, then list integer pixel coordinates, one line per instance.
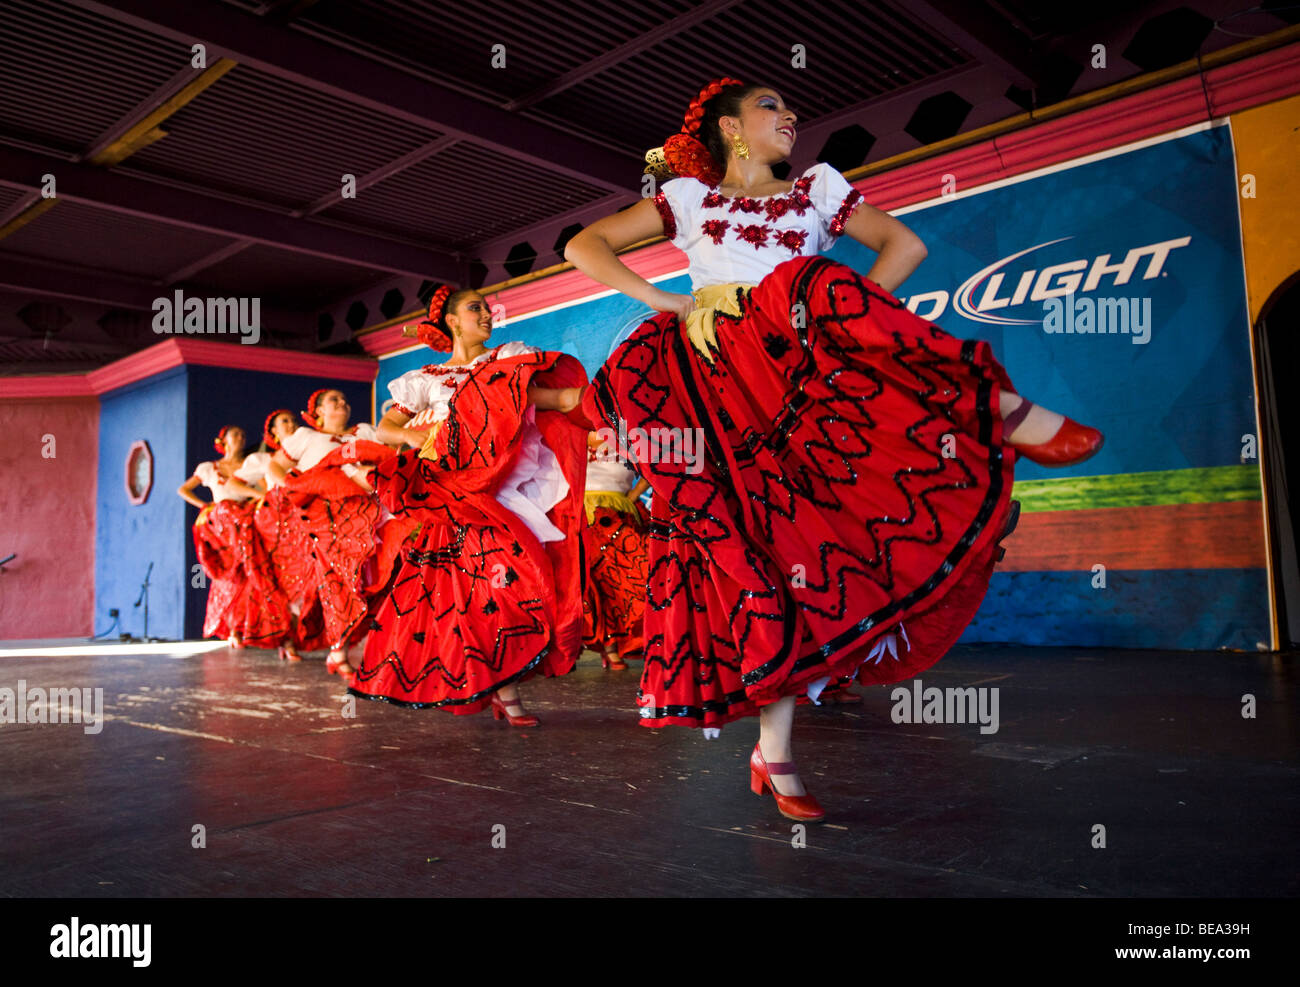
(1159, 540)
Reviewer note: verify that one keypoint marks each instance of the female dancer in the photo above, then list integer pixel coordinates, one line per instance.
(281, 541)
(846, 519)
(228, 550)
(614, 550)
(489, 589)
(337, 518)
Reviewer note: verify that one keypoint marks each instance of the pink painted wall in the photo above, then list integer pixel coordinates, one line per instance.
(47, 516)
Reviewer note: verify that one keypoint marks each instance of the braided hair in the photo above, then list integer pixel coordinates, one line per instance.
(433, 331)
(700, 150)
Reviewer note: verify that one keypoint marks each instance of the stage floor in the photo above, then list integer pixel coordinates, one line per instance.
(296, 799)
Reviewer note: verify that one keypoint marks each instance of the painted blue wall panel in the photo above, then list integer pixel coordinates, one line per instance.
(1195, 609)
(129, 537)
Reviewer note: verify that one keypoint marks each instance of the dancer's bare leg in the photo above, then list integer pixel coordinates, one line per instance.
(509, 695)
(775, 723)
(1039, 425)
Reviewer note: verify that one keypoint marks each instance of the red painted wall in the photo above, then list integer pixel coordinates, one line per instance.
(47, 516)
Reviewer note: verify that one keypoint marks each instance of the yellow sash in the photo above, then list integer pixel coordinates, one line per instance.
(709, 301)
(607, 498)
(427, 451)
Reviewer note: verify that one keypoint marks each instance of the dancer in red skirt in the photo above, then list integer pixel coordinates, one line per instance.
(283, 542)
(857, 478)
(489, 588)
(329, 501)
(614, 550)
(240, 574)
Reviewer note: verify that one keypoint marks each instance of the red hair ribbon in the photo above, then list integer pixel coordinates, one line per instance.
(310, 416)
(430, 332)
(220, 443)
(685, 152)
(267, 435)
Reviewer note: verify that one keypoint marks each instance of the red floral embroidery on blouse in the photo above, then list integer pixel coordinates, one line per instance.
(777, 207)
(799, 199)
(746, 204)
(792, 240)
(754, 233)
(713, 200)
(715, 228)
(850, 203)
(666, 214)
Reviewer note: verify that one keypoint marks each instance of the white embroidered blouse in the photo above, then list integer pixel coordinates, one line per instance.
(741, 240)
(308, 446)
(536, 483)
(207, 473)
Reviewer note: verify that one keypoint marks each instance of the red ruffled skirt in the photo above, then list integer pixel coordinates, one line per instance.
(243, 597)
(324, 536)
(852, 478)
(614, 550)
(478, 601)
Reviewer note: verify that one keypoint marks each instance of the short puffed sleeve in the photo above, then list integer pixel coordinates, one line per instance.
(366, 432)
(515, 348)
(295, 445)
(207, 473)
(410, 393)
(677, 202)
(835, 201)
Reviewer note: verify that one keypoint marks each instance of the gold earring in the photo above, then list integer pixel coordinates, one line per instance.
(740, 147)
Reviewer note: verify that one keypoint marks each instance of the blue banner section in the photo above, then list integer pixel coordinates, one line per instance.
(1146, 245)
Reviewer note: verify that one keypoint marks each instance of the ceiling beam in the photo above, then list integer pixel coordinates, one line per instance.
(193, 210)
(983, 34)
(23, 277)
(668, 29)
(325, 68)
(33, 277)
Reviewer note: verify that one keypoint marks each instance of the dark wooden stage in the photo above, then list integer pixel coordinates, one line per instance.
(297, 800)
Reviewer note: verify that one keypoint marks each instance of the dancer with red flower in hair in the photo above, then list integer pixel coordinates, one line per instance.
(614, 550)
(334, 519)
(488, 592)
(239, 573)
(858, 477)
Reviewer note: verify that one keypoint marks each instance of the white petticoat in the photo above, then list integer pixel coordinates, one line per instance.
(536, 484)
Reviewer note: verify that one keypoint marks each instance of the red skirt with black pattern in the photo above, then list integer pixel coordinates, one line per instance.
(325, 537)
(243, 597)
(853, 479)
(615, 554)
(477, 601)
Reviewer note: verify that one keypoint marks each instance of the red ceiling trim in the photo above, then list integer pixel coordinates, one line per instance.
(1239, 85)
(171, 353)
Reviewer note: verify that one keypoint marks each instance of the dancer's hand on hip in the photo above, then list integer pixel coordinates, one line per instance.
(680, 305)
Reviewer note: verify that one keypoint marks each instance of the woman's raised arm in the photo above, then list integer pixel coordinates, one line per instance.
(594, 252)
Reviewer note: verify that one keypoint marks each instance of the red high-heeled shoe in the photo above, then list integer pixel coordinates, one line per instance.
(802, 808)
(522, 720)
(615, 662)
(333, 664)
(289, 653)
(1073, 443)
